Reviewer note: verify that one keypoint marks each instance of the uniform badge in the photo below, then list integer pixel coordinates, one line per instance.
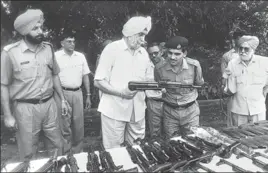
(25, 62)
(179, 46)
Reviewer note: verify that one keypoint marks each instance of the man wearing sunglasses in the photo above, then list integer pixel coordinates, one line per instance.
(231, 54)
(154, 104)
(180, 109)
(247, 80)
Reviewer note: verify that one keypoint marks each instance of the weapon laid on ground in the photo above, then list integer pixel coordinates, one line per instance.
(60, 163)
(72, 162)
(198, 165)
(133, 85)
(107, 162)
(256, 154)
(24, 166)
(255, 161)
(147, 150)
(50, 165)
(234, 167)
(227, 152)
(93, 164)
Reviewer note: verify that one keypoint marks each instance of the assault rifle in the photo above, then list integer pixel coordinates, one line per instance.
(50, 165)
(71, 165)
(93, 164)
(24, 166)
(133, 85)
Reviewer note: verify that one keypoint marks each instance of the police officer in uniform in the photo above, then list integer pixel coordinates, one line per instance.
(28, 78)
(180, 108)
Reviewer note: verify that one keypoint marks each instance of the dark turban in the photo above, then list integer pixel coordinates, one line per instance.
(176, 42)
(253, 41)
(25, 22)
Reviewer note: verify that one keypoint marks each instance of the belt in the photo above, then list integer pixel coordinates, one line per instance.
(34, 101)
(174, 106)
(155, 99)
(71, 89)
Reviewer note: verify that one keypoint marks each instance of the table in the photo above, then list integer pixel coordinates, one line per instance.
(121, 157)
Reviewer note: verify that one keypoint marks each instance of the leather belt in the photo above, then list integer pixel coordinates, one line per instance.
(174, 106)
(71, 89)
(155, 99)
(34, 101)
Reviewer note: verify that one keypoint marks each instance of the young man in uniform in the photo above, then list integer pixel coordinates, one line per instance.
(180, 109)
(29, 75)
(74, 72)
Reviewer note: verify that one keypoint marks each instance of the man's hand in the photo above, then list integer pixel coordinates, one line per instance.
(64, 107)
(10, 122)
(127, 94)
(88, 103)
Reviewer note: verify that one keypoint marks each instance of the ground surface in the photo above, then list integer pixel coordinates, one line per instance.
(211, 115)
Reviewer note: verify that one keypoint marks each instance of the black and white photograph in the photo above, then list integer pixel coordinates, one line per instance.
(134, 86)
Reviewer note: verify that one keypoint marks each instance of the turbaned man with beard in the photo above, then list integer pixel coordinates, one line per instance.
(122, 110)
(247, 80)
(28, 74)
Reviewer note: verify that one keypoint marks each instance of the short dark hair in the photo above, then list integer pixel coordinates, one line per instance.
(67, 34)
(238, 33)
(153, 44)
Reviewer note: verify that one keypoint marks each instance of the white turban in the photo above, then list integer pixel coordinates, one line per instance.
(136, 25)
(25, 22)
(253, 41)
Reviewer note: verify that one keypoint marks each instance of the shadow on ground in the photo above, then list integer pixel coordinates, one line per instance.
(211, 114)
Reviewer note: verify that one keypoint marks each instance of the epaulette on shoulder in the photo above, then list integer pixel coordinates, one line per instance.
(161, 64)
(192, 61)
(10, 46)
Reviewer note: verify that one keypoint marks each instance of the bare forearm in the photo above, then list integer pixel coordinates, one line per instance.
(86, 83)
(5, 100)
(105, 87)
(57, 86)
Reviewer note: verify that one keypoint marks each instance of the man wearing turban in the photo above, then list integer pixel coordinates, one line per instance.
(28, 75)
(231, 54)
(247, 80)
(180, 109)
(122, 110)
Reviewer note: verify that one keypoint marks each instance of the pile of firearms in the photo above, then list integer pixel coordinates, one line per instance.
(106, 162)
(52, 165)
(252, 135)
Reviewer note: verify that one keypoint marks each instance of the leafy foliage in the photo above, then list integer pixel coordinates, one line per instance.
(207, 24)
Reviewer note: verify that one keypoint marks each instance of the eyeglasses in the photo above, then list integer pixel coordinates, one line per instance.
(154, 53)
(246, 49)
(70, 41)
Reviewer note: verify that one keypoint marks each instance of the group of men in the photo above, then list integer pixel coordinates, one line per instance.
(41, 90)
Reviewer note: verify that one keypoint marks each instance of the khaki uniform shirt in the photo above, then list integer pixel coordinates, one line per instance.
(28, 73)
(248, 83)
(186, 76)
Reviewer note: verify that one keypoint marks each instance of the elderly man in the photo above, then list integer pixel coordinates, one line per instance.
(247, 80)
(73, 72)
(231, 54)
(122, 110)
(180, 109)
(29, 74)
(154, 104)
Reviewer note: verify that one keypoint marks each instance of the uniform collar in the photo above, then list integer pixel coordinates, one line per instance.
(24, 46)
(184, 65)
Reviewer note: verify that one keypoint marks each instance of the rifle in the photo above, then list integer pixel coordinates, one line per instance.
(50, 165)
(60, 163)
(227, 152)
(234, 167)
(24, 166)
(134, 85)
(72, 162)
(107, 162)
(93, 164)
(255, 161)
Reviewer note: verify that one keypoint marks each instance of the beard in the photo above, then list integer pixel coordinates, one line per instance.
(34, 40)
(134, 42)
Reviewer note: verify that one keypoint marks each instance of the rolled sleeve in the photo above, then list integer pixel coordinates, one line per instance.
(6, 69)
(105, 64)
(199, 76)
(85, 66)
(55, 67)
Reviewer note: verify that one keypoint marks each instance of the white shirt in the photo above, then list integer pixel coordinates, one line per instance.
(248, 83)
(72, 68)
(118, 67)
(152, 93)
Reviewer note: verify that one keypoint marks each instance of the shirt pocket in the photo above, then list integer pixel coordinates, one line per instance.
(184, 91)
(26, 71)
(258, 78)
